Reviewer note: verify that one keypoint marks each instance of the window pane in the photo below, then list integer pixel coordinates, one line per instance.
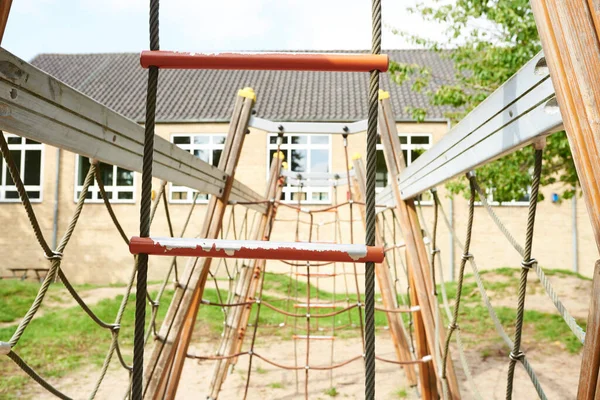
(414, 154)
(34, 195)
(216, 157)
(299, 140)
(106, 172)
(202, 197)
(11, 194)
(179, 195)
(84, 166)
(296, 195)
(273, 139)
(201, 154)
(405, 155)
(33, 159)
(88, 195)
(419, 139)
(319, 161)
(403, 139)
(124, 177)
(381, 171)
(125, 195)
(319, 139)
(29, 141)
(219, 139)
(13, 140)
(201, 139)
(378, 138)
(16, 156)
(320, 196)
(109, 195)
(298, 160)
(181, 139)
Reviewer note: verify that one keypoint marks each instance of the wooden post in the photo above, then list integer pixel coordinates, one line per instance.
(569, 31)
(245, 288)
(4, 11)
(168, 355)
(399, 337)
(416, 252)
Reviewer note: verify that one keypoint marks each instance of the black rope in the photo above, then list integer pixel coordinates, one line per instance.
(145, 210)
(370, 207)
(527, 264)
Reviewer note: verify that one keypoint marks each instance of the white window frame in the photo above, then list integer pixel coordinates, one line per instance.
(408, 146)
(114, 188)
(288, 190)
(28, 188)
(209, 147)
(512, 203)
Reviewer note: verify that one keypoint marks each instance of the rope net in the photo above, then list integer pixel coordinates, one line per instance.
(311, 304)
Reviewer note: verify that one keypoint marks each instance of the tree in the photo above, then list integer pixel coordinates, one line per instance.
(488, 41)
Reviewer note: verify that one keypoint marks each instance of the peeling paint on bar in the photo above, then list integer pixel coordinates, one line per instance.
(257, 249)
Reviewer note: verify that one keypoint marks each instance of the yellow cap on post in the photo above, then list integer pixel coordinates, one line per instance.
(284, 165)
(247, 92)
(356, 156)
(279, 154)
(383, 94)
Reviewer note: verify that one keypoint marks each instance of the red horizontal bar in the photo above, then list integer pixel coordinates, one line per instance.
(266, 61)
(256, 250)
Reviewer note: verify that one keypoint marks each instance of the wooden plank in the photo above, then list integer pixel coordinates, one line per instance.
(569, 32)
(589, 375)
(39, 107)
(4, 12)
(512, 117)
(418, 262)
(382, 271)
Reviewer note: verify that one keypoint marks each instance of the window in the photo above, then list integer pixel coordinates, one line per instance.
(207, 147)
(412, 144)
(119, 183)
(304, 153)
(522, 201)
(27, 156)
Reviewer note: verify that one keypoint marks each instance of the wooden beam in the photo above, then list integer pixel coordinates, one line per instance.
(4, 11)
(168, 354)
(246, 288)
(35, 105)
(569, 31)
(416, 252)
(382, 271)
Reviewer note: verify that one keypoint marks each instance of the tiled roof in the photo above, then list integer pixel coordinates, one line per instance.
(117, 81)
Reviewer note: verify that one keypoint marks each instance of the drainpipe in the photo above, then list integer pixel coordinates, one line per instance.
(574, 232)
(451, 217)
(56, 190)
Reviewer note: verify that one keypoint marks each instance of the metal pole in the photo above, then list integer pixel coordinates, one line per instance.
(56, 193)
(451, 217)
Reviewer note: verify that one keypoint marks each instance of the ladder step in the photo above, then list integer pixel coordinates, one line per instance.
(313, 337)
(256, 249)
(266, 61)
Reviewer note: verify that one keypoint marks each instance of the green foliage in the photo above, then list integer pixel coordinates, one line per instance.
(488, 41)
(331, 392)
(276, 385)
(401, 393)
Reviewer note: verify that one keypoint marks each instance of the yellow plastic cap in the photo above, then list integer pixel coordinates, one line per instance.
(279, 154)
(356, 156)
(247, 92)
(284, 165)
(383, 94)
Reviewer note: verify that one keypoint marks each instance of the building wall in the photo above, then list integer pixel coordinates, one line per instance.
(97, 254)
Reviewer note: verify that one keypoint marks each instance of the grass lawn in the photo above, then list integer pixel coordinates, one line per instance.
(66, 339)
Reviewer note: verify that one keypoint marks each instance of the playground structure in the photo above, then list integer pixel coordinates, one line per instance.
(554, 90)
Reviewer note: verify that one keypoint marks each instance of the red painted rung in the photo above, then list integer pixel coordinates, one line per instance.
(254, 249)
(266, 61)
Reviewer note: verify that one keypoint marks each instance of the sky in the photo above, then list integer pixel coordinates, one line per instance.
(94, 26)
